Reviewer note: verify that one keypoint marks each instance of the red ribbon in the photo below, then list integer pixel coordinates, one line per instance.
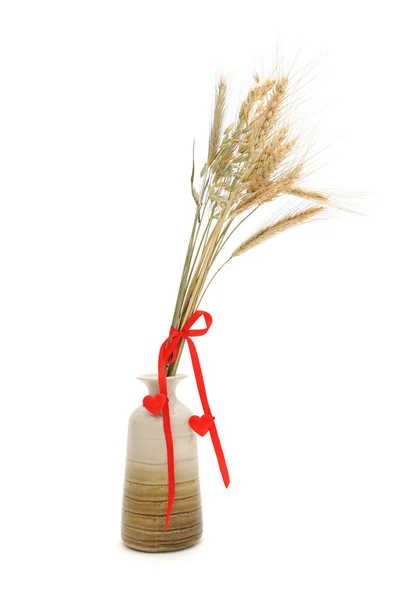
(168, 354)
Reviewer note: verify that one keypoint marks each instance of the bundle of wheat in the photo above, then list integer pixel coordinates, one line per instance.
(254, 160)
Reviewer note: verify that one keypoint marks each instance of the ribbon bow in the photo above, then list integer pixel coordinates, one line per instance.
(168, 354)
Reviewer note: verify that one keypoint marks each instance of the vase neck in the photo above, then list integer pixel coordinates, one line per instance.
(151, 381)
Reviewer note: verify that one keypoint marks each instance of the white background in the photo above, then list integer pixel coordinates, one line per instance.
(99, 104)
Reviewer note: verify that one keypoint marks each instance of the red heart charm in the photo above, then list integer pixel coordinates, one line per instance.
(154, 404)
(201, 425)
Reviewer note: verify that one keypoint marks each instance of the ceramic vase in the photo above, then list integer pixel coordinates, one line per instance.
(146, 478)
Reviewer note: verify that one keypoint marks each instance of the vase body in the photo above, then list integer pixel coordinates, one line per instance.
(146, 478)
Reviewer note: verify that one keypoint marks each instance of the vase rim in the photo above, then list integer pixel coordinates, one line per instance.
(154, 377)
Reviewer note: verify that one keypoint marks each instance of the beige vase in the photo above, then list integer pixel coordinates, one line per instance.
(146, 478)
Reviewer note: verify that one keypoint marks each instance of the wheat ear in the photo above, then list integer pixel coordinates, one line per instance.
(218, 119)
(310, 195)
(292, 219)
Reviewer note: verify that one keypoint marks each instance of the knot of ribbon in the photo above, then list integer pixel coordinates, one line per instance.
(167, 355)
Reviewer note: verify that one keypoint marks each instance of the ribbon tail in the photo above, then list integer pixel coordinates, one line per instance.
(199, 378)
(220, 456)
(205, 405)
(168, 435)
(171, 461)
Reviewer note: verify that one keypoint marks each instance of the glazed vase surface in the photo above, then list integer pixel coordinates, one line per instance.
(146, 478)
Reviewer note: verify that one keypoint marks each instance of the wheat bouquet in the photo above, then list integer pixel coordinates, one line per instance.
(251, 162)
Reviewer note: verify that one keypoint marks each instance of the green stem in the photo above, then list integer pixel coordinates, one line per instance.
(187, 270)
(183, 280)
(210, 281)
(203, 238)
